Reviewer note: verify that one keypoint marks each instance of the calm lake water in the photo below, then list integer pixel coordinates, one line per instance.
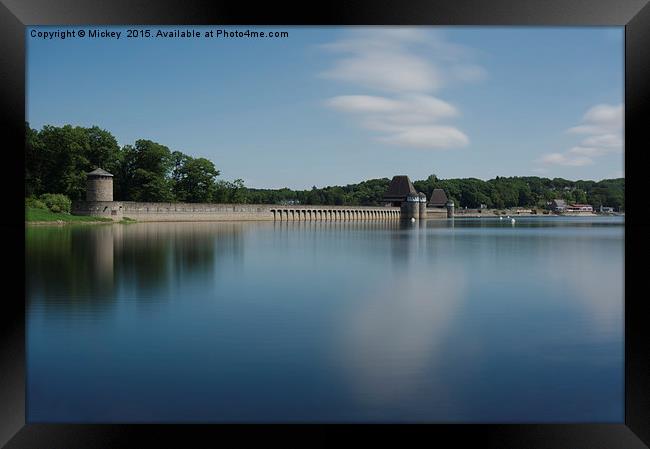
(470, 320)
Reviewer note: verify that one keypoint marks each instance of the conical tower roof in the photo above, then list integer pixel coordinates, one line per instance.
(399, 187)
(438, 198)
(99, 172)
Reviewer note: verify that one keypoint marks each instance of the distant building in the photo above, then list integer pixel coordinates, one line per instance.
(579, 208)
(557, 205)
(438, 198)
(399, 188)
(606, 209)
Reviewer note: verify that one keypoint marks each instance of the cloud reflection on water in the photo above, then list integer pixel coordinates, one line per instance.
(391, 342)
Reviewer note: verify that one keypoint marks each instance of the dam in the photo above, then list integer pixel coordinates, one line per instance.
(400, 202)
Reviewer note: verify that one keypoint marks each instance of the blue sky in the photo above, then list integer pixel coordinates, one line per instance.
(337, 105)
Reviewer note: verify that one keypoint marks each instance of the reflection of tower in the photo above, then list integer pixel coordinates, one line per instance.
(99, 186)
(103, 254)
(405, 244)
(423, 205)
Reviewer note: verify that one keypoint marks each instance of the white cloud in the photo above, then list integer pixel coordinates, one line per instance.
(427, 136)
(594, 151)
(561, 159)
(605, 140)
(603, 127)
(406, 108)
(363, 103)
(388, 71)
(406, 65)
(605, 114)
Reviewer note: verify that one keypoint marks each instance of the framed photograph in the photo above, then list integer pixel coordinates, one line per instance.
(310, 221)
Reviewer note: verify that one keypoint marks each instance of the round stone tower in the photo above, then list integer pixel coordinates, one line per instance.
(450, 209)
(99, 186)
(411, 207)
(423, 205)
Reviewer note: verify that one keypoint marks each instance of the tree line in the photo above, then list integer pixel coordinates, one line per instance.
(58, 158)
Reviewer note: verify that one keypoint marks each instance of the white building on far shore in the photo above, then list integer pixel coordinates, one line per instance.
(573, 208)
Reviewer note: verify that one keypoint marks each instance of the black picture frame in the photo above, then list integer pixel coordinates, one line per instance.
(15, 15)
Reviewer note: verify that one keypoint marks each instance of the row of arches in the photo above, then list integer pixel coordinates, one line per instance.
(333, 214)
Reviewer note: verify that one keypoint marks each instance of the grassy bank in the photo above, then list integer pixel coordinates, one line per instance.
(33, 214)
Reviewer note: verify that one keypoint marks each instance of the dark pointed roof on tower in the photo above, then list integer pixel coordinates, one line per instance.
(99, 172)
(399, 187)
(438, 198)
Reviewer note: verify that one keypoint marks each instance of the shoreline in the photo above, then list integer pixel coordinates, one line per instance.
(64, 223)
(475, 215)
(470, 215)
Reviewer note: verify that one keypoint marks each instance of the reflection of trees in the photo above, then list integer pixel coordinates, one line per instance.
(89, 266)
(142, 259)
(70, 265)
(151, 256)
(196, 251)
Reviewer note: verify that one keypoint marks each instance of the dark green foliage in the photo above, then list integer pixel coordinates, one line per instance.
(35, 203)
(56, 202)
(34, 160)
(144, 174)
(368, 193)
(193, 179)
(103, 150)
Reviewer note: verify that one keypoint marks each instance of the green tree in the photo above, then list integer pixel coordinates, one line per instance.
(33, 162)
(580, 196)
(145, 172)
(103, 150)
(63, 160)
(239, 192)
(194, 180)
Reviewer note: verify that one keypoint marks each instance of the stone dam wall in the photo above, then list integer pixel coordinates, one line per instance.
(141, 211)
